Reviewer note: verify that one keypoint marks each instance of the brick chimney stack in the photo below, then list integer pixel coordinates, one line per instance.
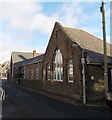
(34, 53)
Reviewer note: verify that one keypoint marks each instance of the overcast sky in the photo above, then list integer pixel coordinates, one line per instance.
(27, 25)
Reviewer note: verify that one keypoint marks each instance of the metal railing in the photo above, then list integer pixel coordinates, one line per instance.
(2, 94)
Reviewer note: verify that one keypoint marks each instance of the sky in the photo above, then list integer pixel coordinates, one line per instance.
(27, 25)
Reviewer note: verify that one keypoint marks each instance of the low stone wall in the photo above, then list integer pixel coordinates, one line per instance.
(64, 88)
(99, 96)
(35, 84)
(95, 83)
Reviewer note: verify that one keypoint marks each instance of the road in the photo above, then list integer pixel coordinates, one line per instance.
(23, 103)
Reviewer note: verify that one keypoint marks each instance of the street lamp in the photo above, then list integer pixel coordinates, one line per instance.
(83, 72)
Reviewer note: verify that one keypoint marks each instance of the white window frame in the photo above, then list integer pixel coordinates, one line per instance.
(37, 71)
(69, 70)
(24, 71)
(48, 72)
(27, 72)
(58, 71)
(32, 72)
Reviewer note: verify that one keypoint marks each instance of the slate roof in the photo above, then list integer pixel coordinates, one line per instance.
(91, 44)
(22, 56)
(35, 59)
(93, 57)
(29, 61)
(87, 40)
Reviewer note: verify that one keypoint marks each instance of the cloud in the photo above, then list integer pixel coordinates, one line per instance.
(21, 19)
(10, 45)
(7, 45)
(42, 23)
(30, 16)
(72, 14)
(53, 0)
(18, 15)
(108, 13)
(26, 16)
(15, 10)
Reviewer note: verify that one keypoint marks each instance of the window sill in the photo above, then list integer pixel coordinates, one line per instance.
(70, 81)
(58, 80)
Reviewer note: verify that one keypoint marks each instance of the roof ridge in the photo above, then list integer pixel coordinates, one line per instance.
(21, 52)
(88, 34)
(27, 52)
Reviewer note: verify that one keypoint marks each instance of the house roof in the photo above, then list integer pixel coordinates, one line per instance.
(22, 56)
(87, 40)
(93, 57)
(91, 44)
(1, 65)
(4, 67)
(35, 59)
(30, 61)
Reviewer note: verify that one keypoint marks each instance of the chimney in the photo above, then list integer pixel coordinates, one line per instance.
(34, 53)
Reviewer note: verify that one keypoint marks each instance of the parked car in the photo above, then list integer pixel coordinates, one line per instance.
(109, 98)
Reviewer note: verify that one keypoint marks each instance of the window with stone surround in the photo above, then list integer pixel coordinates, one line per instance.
(31, 72)
(28, 74)
(70, 71)
(24, 72)
(58, 66)
(48, 71)
(37, 71)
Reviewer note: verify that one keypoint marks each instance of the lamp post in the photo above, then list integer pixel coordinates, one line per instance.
(83, 72)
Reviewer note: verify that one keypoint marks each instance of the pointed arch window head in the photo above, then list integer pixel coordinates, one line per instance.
(58, 66)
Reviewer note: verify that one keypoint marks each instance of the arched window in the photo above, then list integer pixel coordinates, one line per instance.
(58, 66)
(31, 72)
(70, 71)
(37, 71)
(48, 71)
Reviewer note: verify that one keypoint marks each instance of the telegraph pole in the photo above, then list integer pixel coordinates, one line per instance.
(104, 47)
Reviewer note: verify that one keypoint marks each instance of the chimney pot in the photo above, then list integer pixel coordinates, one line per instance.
(34, 53)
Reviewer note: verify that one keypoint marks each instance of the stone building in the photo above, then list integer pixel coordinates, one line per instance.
(63, 62)
(60, 69)
(18, 58)
(4, 70)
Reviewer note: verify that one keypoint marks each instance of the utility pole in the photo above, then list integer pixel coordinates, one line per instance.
(104, 47)
(83, 61)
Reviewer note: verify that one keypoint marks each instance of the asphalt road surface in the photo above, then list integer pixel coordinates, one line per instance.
(23, 103)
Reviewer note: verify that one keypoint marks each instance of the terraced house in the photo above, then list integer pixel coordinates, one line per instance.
(60, 69)
(4, 68)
